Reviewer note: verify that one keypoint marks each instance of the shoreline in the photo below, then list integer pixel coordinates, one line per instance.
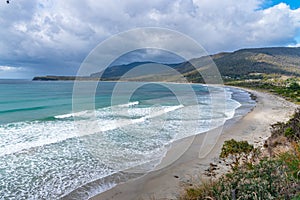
(169, 182)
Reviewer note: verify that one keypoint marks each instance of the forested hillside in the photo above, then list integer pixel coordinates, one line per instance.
(241, 64)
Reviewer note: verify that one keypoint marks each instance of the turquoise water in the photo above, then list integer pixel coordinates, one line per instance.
(48, 151)
(26, 100)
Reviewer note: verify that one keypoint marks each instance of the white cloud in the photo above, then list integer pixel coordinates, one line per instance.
(14, 72)
(294, 45)
(62, 32)
(11, 69)
(276, 25)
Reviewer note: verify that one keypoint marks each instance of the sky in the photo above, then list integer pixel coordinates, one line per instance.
(45, 37)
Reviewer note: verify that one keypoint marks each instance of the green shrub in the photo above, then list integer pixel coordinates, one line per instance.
(290, 129)
(266, 180)
(236, 150)
(292, 161)
(289, 89)
(294, 86)
(289, 132)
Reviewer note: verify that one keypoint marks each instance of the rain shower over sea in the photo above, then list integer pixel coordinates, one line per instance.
(47, 150)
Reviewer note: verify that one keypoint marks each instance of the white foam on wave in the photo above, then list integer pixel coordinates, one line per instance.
(24, 135)
(129, 104)
(119, 123)
(71, 115)
(16, 137)
(158, 113)
(90, 113)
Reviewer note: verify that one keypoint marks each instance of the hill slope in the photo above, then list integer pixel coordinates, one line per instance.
(282, 60)
(236, 65)
(241, 64)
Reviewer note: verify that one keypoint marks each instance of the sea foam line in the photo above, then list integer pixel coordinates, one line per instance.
(89, 113)
(65, 131)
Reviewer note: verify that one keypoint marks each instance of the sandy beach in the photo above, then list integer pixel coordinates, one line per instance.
(169, 182)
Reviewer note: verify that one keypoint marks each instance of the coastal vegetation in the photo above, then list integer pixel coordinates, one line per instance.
(64, 78)
(287, 87)
(273, 172)
(239, 152)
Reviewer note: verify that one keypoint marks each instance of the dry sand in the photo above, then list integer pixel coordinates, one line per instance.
(169, 182)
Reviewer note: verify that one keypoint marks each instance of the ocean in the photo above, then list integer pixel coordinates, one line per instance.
(50, 148)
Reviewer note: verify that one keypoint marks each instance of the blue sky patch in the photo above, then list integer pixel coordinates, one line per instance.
(294, 4)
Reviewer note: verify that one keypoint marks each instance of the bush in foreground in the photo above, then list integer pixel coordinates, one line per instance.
(238, 151)
(269, 179)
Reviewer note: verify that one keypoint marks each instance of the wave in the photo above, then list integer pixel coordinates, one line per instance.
(87, 113)
(129, 104)
(71, 115)
(24, 109)
(24, 135)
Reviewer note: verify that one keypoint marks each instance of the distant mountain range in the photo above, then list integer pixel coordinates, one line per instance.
(234, 65)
